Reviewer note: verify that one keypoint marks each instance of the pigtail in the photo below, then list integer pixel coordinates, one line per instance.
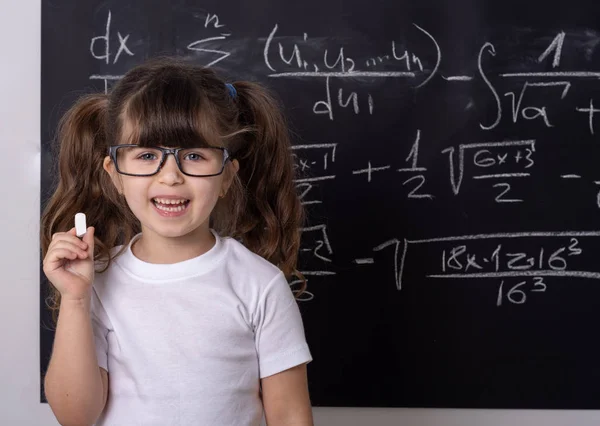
(82, 185)
(270, 222)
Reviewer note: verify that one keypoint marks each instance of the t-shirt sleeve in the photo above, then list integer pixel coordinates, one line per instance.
(279, 332)
(100, 328)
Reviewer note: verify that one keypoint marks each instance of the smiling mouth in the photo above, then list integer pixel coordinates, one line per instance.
(170, 205)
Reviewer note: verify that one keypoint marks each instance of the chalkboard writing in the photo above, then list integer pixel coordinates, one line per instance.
(447, 156)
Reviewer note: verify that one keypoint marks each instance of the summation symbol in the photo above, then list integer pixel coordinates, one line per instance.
(205, 45)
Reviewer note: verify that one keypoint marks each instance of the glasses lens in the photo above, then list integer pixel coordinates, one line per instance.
(201, 161)
(137, 160)
(145, 161)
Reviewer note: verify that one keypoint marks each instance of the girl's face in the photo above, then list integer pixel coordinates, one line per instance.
(170, 204)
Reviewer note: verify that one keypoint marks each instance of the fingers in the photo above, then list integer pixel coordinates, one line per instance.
(88, 239)
(69, 236)
(66, 245)
(60, 247)
(60, 234)
(60, 255)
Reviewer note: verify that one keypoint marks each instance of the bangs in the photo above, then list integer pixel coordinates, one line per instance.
(172, 112)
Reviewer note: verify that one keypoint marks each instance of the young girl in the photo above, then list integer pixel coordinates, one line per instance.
(175, 307)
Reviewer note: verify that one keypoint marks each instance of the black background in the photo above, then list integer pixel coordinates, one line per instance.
(437, 342)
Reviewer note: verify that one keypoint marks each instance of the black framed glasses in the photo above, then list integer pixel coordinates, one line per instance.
(135, 160)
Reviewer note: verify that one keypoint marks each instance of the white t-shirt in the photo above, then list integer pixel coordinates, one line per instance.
(187, 343)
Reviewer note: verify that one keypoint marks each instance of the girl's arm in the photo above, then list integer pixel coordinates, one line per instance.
(285, 398)
(75, 387)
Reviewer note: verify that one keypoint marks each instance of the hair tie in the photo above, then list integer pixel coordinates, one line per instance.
(232, 91)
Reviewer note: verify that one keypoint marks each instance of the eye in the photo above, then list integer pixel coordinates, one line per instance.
(193, 156)
(147, 156)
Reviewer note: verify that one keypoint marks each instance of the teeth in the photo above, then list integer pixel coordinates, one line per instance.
(164, 201)
(169, 209)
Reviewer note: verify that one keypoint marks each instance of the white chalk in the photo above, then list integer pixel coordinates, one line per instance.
(80, 226)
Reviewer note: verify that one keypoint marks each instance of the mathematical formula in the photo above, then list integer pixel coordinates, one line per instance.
(500, 165)
(498, 258)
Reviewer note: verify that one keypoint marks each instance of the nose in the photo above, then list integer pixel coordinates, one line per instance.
(169, 173)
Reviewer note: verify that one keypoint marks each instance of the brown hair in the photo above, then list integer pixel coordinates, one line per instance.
(174, 103)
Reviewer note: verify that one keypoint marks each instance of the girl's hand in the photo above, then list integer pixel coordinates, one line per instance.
(69, 264)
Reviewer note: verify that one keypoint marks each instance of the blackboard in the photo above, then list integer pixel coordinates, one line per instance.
(449, 161)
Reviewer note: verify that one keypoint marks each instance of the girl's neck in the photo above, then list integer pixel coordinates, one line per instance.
(154, 248)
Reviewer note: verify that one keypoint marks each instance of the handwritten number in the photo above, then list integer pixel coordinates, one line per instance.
(320, 244)
(499, 300)
(574, 249)
(520, 293)
(413, 193)
(528, 158)
(556, 262)
(539, 285)
(517, 296)
(514, 295)
(499, 198)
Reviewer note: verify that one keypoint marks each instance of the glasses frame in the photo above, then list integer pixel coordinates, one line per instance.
(112, 152)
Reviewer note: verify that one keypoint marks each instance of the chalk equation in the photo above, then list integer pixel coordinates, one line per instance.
(211, 45)
(529, 258)
(102, 48)
(500, 162)
(208, 49)
(346, 81)
(493, 160)
(305, 57)
(314, 163)
(316, 245)
(310, 58)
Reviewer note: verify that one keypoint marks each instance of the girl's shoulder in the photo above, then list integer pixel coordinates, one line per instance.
(240, 258)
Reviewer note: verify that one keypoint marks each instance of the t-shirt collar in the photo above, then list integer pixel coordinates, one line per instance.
(187, 268)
